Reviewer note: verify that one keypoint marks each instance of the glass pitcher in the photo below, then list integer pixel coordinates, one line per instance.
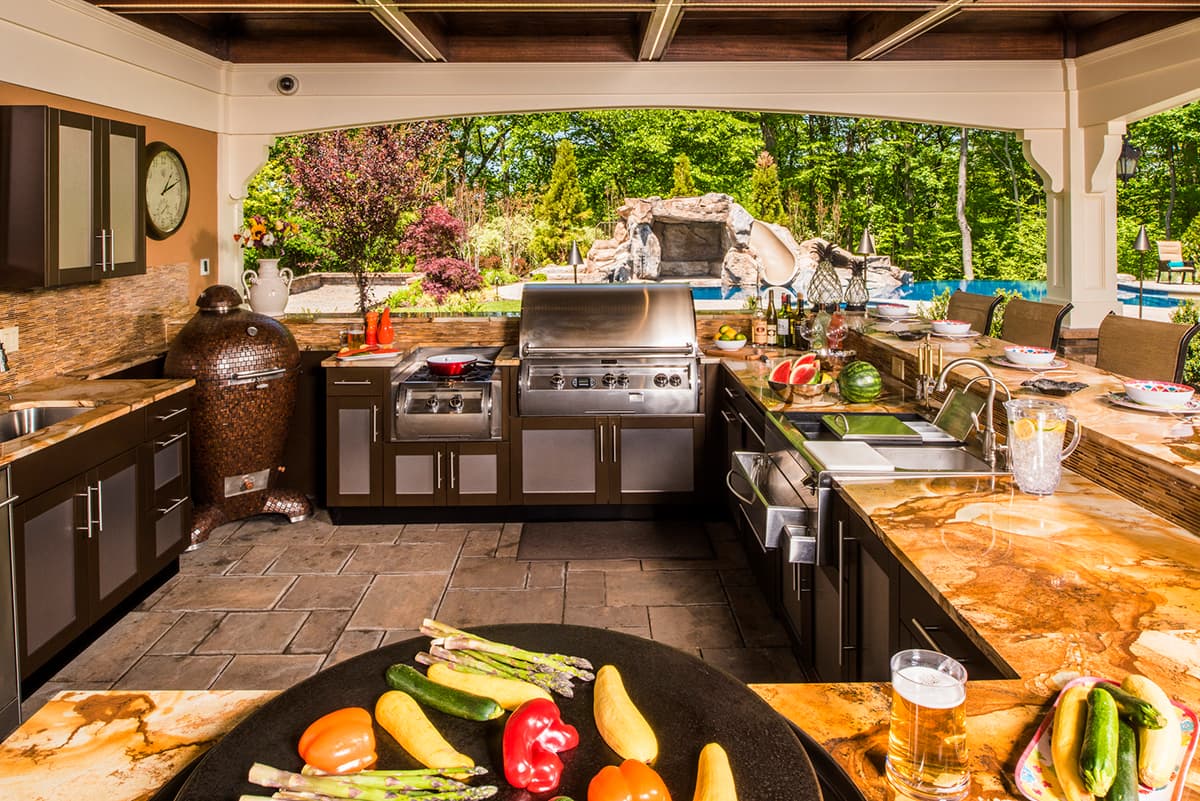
(1036, 430)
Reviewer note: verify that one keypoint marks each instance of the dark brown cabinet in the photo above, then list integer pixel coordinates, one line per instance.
(606, 459)
(445, 474)
(354, 435)
(71, 198)
(10, 686)
(167, 499)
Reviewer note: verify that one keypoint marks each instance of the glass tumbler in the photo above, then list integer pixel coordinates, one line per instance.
(927, 738)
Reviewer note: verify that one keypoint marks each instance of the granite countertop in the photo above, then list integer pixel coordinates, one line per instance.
(105, 400)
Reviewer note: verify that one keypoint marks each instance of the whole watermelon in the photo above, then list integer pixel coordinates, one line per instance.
(860, 382)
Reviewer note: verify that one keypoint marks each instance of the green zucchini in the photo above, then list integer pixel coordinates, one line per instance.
(1098, 755)
(437, 696)
(1139, 712)
(1125, 785)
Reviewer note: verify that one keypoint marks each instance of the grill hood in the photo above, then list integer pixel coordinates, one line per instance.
(610, 319)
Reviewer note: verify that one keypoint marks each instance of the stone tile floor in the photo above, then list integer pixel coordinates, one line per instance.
(264, 604)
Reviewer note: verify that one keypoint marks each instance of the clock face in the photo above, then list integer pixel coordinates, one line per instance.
(167, 190)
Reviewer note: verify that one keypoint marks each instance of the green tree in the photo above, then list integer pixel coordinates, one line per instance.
(683, 185)
(1187, 313)
(766, 197)
(563, 209)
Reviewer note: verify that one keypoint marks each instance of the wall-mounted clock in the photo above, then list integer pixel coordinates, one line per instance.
(167, 190)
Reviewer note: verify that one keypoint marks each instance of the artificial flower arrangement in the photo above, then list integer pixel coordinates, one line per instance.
(266, 236)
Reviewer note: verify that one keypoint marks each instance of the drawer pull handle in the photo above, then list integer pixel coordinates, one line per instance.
(729, 483)
(162, 418)
(366, 382)
(165, 442)
(173, 506)
(9, 501)
(923, 633)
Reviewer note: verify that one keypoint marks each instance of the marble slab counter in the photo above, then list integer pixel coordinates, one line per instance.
(104, 400)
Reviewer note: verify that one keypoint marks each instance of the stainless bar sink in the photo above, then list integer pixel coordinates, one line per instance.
(20, 422)
(933, 459)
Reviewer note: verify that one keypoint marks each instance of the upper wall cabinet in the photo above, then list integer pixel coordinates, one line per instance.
(71, 198)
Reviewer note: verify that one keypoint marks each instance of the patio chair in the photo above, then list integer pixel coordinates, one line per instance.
(1171, 261)
(1036, 324)
(1144, 349)
(974, 309)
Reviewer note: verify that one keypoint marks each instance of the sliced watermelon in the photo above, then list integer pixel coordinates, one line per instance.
(781, 371)
(807, 358)
(803, 373)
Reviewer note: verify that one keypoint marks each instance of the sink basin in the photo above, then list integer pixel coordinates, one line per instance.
(20, 422)
(933, 459)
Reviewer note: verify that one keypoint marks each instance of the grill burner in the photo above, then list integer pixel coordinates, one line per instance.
(437, 407)
(476, 372)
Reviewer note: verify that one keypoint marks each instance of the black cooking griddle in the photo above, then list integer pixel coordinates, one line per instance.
(687, 702)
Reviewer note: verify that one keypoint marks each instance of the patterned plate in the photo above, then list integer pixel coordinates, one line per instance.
(1122, 400)
(968, 335)
(1037, 780)
(1036, 368)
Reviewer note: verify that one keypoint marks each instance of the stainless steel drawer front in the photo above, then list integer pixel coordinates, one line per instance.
(767, 519)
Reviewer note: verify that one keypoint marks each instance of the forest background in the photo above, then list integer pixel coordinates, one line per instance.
(486, 200)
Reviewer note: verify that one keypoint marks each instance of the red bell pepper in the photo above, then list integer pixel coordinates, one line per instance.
(633, 781)
(533, 737)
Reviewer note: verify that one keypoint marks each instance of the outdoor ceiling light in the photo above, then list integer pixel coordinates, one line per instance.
(1128, 160)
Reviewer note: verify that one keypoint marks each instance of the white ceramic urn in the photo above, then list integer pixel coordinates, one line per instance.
(267, 290)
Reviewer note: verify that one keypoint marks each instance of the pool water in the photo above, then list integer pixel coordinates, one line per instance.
(927, 290)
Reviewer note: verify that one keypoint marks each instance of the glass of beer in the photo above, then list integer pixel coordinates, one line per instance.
(927, 741)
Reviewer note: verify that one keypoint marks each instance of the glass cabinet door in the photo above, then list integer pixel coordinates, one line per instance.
(75, 248)
(124, 222)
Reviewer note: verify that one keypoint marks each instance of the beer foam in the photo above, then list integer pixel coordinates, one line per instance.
(928, 687)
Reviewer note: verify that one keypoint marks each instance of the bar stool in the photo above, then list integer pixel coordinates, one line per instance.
(972, 308)
(1143, 349)
(1035, 324)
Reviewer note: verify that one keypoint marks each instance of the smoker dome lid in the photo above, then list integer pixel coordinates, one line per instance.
(219, 298)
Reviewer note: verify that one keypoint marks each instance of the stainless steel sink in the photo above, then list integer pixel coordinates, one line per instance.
(933, 459)
(20, 422)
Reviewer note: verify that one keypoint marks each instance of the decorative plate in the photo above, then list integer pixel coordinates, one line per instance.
(1122, 400)
(968, 335)
(1035, 368)
(1037, 780)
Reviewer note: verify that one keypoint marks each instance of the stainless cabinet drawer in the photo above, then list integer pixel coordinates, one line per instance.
(751, 480)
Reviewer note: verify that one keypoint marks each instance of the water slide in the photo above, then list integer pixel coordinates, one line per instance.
(779, 266)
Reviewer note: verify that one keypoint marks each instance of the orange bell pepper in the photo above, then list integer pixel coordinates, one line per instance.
(341, 742)
(633, 781)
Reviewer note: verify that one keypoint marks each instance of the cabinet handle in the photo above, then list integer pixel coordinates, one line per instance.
(728, 416)
(363, 383)
(9, 501)
(173, 506)
(731, 393)
(729, 483)
(112, 250)
(439, 470)
(88, 496)
(453, 480)
(601, 444)
(162, 418)
(99, 507)
(103, 251)
(374, 423)
(162, 443)
(750, 428)
(923, 634)
(614, 443)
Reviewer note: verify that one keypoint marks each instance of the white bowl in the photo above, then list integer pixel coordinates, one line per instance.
(730, 344)
(1029, 355)
(892, 310)
(951, 327)
(1162, 394)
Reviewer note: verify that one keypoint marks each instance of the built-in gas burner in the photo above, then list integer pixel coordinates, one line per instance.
(437, 407)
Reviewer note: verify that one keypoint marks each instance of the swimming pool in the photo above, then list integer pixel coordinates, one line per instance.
(927, 290)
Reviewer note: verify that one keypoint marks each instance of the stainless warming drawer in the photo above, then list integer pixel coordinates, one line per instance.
(771, 507)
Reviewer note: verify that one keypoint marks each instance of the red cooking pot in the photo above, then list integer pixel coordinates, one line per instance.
(450, 363)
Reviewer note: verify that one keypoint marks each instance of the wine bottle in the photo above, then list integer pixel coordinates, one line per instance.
(758, 328)
(784, 338)
(772, 321)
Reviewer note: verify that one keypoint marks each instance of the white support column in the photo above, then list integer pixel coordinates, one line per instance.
(239, 157)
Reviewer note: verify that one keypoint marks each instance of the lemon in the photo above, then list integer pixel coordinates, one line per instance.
(740, 336)
(1053, 426)
(1024, 428)
(727, 329)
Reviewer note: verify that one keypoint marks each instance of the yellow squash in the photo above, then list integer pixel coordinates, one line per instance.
(400, 716)
(619, 721)
(714, 777)
(1158, 749)
(508, 693)
(1070, 717)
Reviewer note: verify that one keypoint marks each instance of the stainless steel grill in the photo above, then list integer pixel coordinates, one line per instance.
(433, 407)
(608, 349)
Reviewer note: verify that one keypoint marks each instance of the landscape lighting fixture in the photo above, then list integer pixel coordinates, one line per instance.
(1127, 163)
(1141, 245)
(866, 245)
(574, 259)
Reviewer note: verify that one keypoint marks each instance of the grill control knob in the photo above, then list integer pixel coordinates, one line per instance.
(660, 380)
(623, 380)
(557, 381)
(456, 402)
(432, 404)
(609, 380)
(675, 381)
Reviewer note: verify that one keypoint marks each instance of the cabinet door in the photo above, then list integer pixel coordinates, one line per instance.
(74, 241)
(561, 460)
(797, 592)
(415, 474)
(478, 474)
(10, 706)
(124, 223)
(656, 458)
(50, 544)
(354, 468)
(115, 531)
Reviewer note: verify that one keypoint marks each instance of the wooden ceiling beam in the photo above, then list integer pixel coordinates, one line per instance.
(877, 34)
(401, 26)
(1126, 27)
(664, 21)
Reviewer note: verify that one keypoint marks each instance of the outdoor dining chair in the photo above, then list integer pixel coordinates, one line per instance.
(1035, 324)
(972, 308)
(1143, 349)
(1171, 261)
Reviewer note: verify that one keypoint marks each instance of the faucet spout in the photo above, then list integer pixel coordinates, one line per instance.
(990, 447)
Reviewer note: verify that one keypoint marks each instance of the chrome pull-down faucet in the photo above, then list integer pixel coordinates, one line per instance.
(990, 447)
